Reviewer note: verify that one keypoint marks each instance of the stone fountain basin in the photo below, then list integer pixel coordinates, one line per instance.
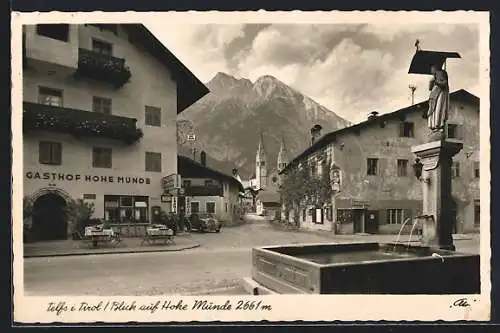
(364, 268)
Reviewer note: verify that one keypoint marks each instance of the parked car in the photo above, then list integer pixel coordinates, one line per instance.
(204, 224)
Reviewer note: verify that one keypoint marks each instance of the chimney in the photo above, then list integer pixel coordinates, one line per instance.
(203, 158)
(373, 115)
(235, 172)
(315, 133)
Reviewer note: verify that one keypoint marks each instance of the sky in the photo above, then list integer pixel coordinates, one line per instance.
(351, 69)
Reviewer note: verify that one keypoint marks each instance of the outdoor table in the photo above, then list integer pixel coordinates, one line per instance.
(101, 236)
(156, 233)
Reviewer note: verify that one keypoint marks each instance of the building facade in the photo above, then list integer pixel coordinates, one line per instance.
(376, 189)
(99, 121)
(210, 192)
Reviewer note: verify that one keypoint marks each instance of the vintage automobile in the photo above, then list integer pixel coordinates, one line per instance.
(204, 223)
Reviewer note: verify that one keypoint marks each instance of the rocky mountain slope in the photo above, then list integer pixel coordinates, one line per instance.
(228, 121)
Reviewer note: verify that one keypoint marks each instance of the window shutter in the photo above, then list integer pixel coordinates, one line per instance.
(44, 152)
(459, 132)
(382, 166)
(56, 152)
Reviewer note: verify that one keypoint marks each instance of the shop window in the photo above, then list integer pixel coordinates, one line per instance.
(395, 216)
(54, 31)
(344, 216)
(102, 157)
(195, 207)
(101, 105)
(210, 206)
(126, 209)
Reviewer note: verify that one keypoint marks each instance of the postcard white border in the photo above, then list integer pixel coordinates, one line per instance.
(285, 307)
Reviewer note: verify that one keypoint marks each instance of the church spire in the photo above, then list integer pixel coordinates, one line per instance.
(282, 155)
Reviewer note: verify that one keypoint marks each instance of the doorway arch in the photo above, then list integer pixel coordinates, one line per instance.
(49, 217)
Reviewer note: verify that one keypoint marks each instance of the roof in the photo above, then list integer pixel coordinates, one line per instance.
(330, 137)
(189, 88)
(268, 196)
(183, 161)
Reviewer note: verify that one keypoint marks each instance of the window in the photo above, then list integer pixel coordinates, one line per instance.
(49, 96)
(477, 212)
(262, 163)
(454, 131)
(102, 47)
(209, 182)
(344, 216)
(153, 162)
(50, 153)
(225, 206)
(372, 166)
(153, 116)
(455, 169)
(126, 209)
(406, 129)
(402, 168)
(186, 183)
(54, 31)
(195, 207)
(395, 216)
(476, 169)
(101, 157)
(101, 105)
(210, 207)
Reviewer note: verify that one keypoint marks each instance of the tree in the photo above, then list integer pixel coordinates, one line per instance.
(303, 187)
(80, 214)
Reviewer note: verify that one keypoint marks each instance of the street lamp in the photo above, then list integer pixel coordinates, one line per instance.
(417, 170)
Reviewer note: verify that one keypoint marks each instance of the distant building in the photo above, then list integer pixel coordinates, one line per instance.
(377, 189)
(265, 177)
(209, 192)
(99, 121)
(268, 204)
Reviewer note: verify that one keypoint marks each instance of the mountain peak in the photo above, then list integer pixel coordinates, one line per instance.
(225, 81)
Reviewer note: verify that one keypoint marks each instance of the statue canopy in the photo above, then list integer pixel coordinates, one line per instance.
(423, 60)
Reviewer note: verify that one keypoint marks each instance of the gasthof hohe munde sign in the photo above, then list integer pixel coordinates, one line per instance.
(75, 177)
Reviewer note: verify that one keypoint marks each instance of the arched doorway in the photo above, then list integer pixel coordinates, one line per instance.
(49, 218)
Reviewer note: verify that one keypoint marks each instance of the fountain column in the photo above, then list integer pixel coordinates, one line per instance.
(436, 157)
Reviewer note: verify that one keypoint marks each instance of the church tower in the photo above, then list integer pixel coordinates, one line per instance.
(282, 156)
(261, 165)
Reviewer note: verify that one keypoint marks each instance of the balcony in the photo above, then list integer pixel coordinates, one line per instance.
(102, 67)
(203, 191)
(79, 123)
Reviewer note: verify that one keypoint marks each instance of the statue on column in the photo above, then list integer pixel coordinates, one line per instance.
(431, 63)
(439, 99)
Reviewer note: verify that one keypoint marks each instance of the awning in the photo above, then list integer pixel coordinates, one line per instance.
(422, 61)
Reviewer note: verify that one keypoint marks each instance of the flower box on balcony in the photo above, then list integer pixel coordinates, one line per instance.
(80, 123)
(102, 67)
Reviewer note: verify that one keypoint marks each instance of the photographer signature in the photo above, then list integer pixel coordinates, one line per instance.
(461, 303)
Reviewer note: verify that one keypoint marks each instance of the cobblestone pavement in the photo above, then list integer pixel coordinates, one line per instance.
(214, 268)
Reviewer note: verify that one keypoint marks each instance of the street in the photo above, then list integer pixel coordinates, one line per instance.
(216, 267)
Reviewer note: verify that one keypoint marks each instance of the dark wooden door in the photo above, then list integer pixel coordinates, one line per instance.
(371, 225)
(357, 216)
